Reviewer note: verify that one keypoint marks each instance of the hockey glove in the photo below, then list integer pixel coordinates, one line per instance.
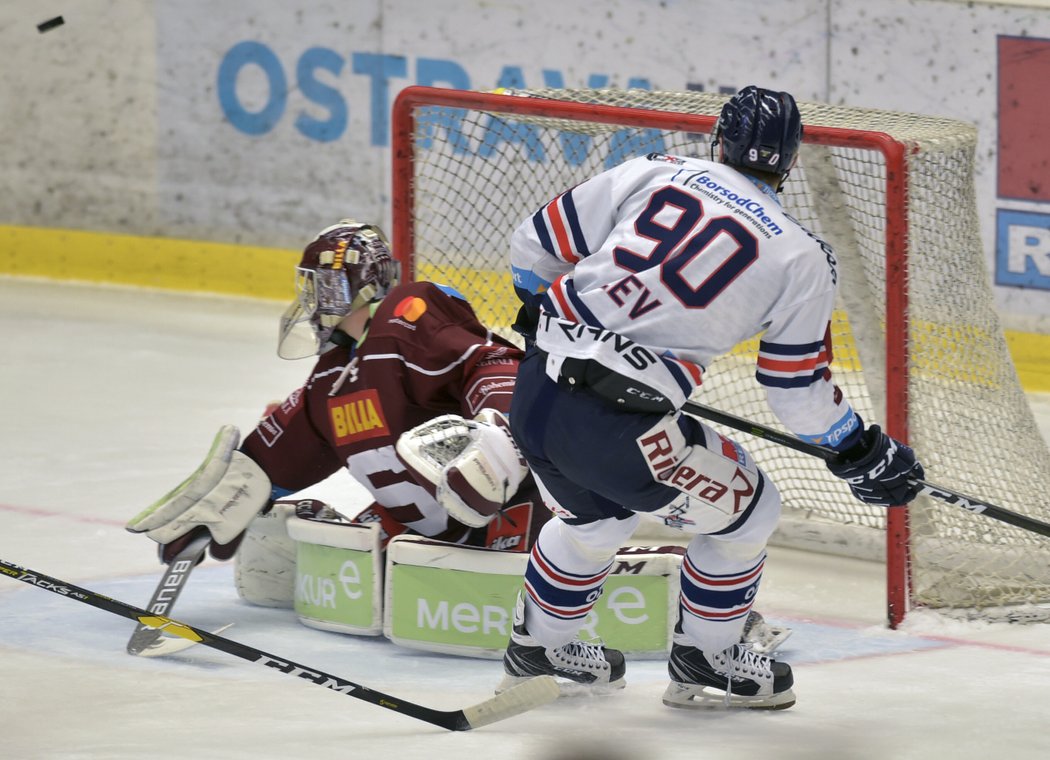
(879, 470)
(222, 496)
(473, 466)
(528, 317)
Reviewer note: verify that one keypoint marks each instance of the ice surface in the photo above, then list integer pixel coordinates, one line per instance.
(112, 396)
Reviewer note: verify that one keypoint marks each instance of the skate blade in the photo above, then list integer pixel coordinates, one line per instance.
(568, 687)
(693, 697)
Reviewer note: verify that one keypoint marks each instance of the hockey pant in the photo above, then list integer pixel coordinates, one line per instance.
(599, 470)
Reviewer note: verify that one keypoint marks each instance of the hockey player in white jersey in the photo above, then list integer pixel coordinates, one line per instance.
(632, 283)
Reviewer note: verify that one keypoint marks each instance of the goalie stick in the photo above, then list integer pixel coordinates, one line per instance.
(148, 641)
(969, 503)
(521, 698)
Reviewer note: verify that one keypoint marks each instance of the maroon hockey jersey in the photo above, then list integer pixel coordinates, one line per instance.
(424, 354)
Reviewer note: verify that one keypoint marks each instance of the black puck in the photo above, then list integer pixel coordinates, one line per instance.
(50, 24)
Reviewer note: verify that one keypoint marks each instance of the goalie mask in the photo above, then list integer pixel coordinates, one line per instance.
(346, 266)
(759, 130)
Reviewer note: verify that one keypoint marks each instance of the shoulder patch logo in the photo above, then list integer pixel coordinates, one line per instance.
(410, 309)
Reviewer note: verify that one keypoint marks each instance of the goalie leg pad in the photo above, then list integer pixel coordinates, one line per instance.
(378, 514)
(459, 600)
(264, 565)
(338, 574)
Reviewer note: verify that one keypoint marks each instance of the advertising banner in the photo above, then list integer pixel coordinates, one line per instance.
(986, 63)
(273, 118)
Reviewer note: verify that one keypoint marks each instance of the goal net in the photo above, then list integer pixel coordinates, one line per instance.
(918, 346)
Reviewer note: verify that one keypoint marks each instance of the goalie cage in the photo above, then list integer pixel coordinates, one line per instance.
(917, 341)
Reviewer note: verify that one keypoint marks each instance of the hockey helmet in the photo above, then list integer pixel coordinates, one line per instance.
(346, 266)
(759, 130)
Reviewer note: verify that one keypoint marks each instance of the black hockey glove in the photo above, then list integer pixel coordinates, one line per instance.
(878, 469)
(528, 316)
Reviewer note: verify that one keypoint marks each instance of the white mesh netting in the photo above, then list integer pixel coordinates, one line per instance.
(478, 173)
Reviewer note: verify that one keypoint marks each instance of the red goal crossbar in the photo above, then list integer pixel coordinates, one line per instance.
(894, 152)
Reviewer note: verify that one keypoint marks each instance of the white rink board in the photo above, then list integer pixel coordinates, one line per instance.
(139, 118)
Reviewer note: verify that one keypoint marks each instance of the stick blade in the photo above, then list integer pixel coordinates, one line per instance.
(514, 701)
(166, 645)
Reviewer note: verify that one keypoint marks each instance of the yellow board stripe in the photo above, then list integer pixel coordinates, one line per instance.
(148, 262)
(1031, 354)
(224, 268)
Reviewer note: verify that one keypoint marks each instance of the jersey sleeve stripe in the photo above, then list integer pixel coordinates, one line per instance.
(686, 374)
(790, 349)
(803, 381)
(557, 301)
(693, 370)
(792, 365)
(541, 232)
(561, 300)
(564, 249)
(569, 206)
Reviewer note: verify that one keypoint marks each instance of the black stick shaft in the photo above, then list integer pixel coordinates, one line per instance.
(454, 720)
(969, 503)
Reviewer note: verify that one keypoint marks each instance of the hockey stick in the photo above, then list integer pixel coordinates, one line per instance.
(148, 641)
(518, 699)
(969, 503)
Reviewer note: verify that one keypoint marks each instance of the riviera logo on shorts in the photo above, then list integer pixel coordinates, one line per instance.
(357, 416)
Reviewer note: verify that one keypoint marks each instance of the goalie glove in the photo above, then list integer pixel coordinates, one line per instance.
(879, 470)
(222, 496)
(472, 466)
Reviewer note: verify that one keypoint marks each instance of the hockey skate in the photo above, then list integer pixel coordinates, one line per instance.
(580, 667)
(735, 677)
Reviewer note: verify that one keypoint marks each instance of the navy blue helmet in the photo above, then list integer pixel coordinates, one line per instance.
(760, 130)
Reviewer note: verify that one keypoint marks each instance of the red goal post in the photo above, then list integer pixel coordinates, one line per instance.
(889, 191)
